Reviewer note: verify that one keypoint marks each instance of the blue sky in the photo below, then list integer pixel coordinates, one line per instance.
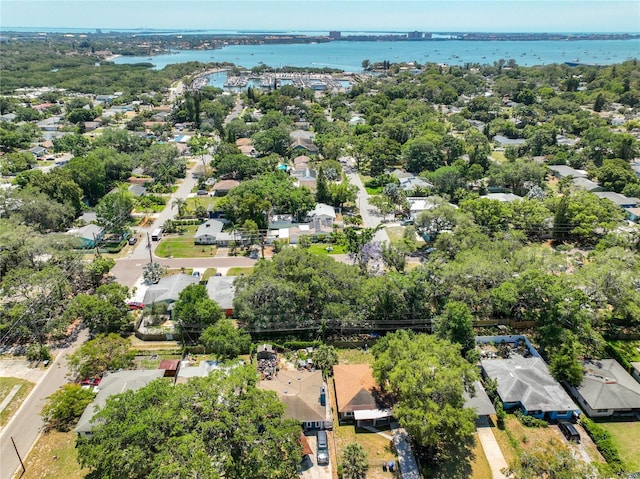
(321, 15)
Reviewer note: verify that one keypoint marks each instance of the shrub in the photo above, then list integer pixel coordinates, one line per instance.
(530, 421)
(35, 352)
(604, 443)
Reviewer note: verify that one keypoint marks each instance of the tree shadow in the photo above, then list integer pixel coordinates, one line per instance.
(454, 462)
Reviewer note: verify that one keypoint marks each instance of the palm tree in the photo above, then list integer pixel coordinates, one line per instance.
(181, 205)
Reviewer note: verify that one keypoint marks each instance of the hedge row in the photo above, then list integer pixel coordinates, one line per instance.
(604, 443)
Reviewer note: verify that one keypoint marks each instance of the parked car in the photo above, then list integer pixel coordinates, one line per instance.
(133, 240)
(90, 382)
(407, 222)
(569, 431)
(133, 305)
(323, 448)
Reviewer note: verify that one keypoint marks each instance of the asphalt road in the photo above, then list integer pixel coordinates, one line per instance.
(26, 425)
(370, 215)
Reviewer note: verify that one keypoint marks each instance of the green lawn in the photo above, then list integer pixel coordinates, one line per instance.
(321, 248)
(205, 201)
(207, 274)
(240, 271)
(6, 386)
(183, 247)
(498, 156)
(395, 233)
(373, 191)
(626, 436)
(354, 356)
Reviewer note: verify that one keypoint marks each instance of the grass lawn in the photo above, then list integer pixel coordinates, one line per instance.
(626, 436)
(183, 247)
(630, 349)
(6, 386)
(373, 191)
(54, 455)
(205, 201)
(322, 249)
(354, 356)
(377, 447)
(515, 438)
(207, 274)
(479, 466)
(240, 271)
(395, 233)
(153, 361)
(498, 156)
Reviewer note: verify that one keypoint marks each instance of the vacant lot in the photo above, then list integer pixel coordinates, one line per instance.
(321, 249)
(178, 246)
(626, 436)
(240, 271)
(22, 389)
(53, 456)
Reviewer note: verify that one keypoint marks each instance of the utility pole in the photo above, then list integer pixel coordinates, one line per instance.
(24, 469)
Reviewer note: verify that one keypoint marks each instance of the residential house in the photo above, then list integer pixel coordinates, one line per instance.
(168, 289)
(304, 145)
(618, 199)
(88, 235)
(479, 402)
(305, 396)
(564, 171)
(245, 145)
(302, 134)
(38, 151)
(607, 390)
(91, 125)
(525, 383)
(210, 232)
(586, 184)
(223, 187)
(410, 183)
(137, 190)
(419, 204)
(8, 117)
(502, 197)
(111, 384)
(323, 214)
(222, 290)
(503, 141)
(358, 397)
(356, 120)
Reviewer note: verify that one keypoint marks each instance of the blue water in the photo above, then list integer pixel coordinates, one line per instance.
(348, 56)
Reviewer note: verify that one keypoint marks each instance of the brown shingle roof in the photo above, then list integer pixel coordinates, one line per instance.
(355, 387)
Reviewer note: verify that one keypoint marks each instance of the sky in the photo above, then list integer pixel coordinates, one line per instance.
(324, 15)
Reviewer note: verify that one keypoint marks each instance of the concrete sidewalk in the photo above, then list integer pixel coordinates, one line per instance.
(492, 451)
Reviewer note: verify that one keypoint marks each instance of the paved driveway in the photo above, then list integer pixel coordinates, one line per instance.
(312, 470)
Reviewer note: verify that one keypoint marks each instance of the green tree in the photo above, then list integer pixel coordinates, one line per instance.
(194, 309)
(225, 340)
(107, 352)
(218, 426)
(65, 406)
(354, 461)
(564, 364)
(322, 188)
(324, 358)
(113, 211)
(428, 377)
(456, 325)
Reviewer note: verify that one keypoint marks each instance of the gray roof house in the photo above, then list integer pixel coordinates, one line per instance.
(412, 182)
(479, 402)
(115, 383)
(210, 232)
(168, 289)
(527, 384)
(620, 200)
(636, 370)
(586, 184)
(88, 235)
(504, 141)
(607, 389)
(562, 171)
(301, 392)
(503, 197)
(222, 290)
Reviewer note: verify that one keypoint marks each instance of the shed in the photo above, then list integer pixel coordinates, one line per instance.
(170, 367)
(265, 351)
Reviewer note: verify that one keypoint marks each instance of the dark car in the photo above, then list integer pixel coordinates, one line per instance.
(135, 305)
(133, 240)
(569, 431)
